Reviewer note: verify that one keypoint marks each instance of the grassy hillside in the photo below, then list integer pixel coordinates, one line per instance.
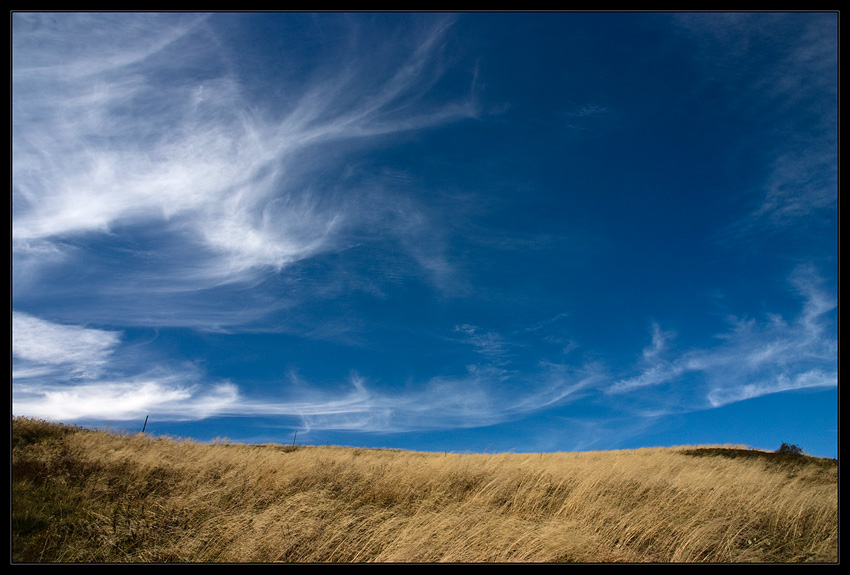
(93, 496)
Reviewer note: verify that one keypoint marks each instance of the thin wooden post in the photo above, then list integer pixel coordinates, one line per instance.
(146, 424)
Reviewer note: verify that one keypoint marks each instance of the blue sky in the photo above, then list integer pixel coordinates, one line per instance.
(443, 232)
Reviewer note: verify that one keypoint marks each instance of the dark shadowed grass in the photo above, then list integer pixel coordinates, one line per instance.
(776, 458)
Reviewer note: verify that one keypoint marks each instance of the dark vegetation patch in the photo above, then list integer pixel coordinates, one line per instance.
(26, 431)
(780, 457)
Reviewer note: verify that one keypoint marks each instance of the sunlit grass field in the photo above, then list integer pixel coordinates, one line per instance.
(95, 496)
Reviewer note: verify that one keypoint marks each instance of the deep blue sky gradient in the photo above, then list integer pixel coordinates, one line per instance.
(448, 232)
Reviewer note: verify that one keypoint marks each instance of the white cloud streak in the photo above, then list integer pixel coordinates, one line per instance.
(80, 351)
(796, 91)
(71, 373)
(488, 343)
(68, 372)
(104, 140)
(754, 359)
(810, 379)
(659, 341)
(169, 397)
(443, 403)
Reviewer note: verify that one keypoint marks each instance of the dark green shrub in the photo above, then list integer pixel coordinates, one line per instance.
(789, 449)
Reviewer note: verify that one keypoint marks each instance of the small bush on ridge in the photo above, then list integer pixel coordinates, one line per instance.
(789, 449)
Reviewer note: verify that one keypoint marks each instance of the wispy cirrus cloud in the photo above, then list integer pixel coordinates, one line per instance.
(483, 396)
(70, 373)
(170, 397)
(791, 94)
(46, 346)
(814, 378)
(488, 343)
(753, 358)
(186, 165)
(659, 341)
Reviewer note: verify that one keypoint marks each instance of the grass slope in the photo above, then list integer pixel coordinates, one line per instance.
(94, 496)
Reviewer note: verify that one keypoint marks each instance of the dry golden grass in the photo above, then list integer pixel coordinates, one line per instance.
(93, 496)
